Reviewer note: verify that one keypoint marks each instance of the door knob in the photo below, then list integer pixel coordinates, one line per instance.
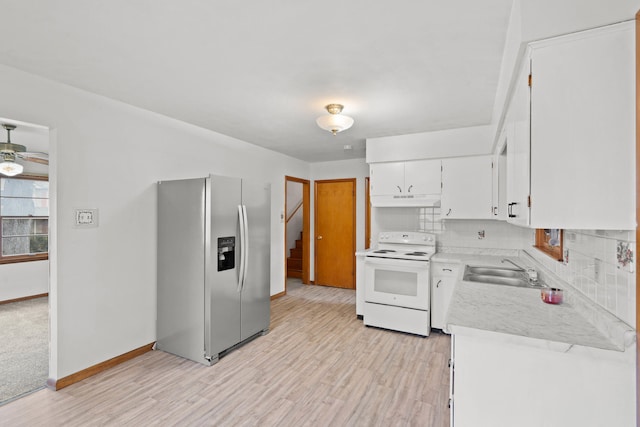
(319, 237)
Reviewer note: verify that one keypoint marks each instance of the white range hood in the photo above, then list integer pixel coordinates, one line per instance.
(406, 200)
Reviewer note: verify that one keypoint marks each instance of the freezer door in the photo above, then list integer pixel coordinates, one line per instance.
(222, 291)
(180, 268)
(256, 290)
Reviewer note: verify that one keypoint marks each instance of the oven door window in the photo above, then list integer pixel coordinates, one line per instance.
(400, 283)
(396, 282)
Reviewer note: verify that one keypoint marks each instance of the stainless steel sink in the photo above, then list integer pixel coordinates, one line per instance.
(494, 271)
(499, 276)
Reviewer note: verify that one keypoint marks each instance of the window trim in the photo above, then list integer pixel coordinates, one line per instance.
(13, 259)
(542, 244)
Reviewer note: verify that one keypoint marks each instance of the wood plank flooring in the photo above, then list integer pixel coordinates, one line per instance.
(318, 366)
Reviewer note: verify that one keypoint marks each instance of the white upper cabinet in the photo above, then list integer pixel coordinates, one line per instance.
(570, 133)
(517, 137)
(583, 130)
(387, 178)
(467, 188)
(405, 183)
(423, 176)
(499, 178)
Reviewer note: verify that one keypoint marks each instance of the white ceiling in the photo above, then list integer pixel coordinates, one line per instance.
(263, 73)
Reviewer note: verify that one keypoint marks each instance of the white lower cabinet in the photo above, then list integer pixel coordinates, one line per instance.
(496, 382)
(443, 279)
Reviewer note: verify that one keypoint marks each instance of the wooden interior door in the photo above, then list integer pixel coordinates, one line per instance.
(335, 233)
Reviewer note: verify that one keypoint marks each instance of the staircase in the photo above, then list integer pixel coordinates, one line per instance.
(294, 262)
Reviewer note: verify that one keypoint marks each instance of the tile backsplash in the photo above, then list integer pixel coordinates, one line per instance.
(591, 265)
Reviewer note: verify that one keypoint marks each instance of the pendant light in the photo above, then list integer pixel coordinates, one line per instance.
(334, 122)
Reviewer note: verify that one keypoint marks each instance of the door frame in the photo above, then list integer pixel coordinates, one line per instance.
(637, 214)
(367, 213)
(315, 223)
(306, 227)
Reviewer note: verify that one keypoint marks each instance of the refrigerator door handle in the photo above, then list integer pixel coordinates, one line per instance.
(242, 268)
(245, 244)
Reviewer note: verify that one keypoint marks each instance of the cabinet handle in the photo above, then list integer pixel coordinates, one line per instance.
(438, 284)
(449, 364)
(511, 214)
(447, 269)
(449, 405)
(409, 189)
(399, 189)
(448, 213)
(495, 210)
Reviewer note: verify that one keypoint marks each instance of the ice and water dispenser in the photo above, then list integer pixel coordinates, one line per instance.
(226, 253)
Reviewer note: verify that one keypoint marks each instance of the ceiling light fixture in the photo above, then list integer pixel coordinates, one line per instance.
(8, 150)
(334, 122)
(9, 167)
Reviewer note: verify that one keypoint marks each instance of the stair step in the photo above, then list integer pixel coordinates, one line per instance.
(296, 274)
(294, 263)
(298, 244)
(296, 253)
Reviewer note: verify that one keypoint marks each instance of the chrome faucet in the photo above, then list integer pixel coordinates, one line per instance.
(531, 273)
(513, 263)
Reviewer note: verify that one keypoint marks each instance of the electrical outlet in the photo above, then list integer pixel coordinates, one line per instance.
(86, 218)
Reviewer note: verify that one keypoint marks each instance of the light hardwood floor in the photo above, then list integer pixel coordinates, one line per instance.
(318, 366)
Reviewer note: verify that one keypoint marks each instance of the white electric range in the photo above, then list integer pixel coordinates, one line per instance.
(397, 284)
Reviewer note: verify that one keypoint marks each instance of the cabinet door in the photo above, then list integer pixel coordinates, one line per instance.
(499, 193)
(518, 155)
(423, 177)
(442, 283)
(466, 187)
(442, 291)
(387, 178)
(583, 130)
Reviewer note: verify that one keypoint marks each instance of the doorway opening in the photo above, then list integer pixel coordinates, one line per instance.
(297, 229)
(25, 300)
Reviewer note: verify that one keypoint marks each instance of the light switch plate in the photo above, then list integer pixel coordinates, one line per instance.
(86, 218)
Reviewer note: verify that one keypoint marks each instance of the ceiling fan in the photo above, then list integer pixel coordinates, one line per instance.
(9, 152)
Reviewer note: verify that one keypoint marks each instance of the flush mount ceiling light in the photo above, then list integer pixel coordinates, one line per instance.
(334, 122)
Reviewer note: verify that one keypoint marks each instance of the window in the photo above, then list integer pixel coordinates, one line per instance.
(24, 219)
(549, 241)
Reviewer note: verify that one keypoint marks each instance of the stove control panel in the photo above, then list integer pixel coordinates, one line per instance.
(407, 237)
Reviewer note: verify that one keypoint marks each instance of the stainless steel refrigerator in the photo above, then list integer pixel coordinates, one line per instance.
(213, 265)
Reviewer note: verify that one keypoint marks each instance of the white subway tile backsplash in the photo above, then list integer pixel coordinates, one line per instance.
(593, 269)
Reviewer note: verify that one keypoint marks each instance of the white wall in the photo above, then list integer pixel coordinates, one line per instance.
(355, 168)
(108, 155)
(23, 279)
(469, 141)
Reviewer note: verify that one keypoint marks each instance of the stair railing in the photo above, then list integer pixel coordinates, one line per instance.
(298, 206)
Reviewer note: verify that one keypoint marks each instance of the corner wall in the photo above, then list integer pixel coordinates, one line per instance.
(108, 155)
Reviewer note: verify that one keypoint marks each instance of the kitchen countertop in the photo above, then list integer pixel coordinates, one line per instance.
(520, 313)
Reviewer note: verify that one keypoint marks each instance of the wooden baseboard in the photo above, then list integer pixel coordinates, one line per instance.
(24, 298)
(95, 369)
(278, 295)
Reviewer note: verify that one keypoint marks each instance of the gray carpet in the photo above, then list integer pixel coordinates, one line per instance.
(24, 347)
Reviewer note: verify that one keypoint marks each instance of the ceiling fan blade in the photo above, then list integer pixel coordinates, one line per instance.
(35, 160)
(35, 157)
